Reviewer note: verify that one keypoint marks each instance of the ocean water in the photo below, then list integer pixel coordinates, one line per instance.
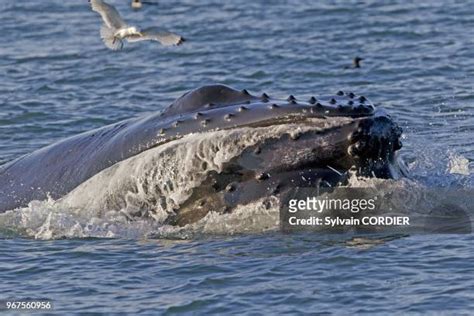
(57, 79)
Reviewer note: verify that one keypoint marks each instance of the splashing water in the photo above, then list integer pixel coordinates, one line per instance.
(458, 164)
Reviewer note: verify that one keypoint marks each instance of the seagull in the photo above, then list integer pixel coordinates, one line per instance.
(114, 30)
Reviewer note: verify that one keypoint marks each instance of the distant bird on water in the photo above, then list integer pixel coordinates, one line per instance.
(114, 30)
(355, 63)
(137, 4)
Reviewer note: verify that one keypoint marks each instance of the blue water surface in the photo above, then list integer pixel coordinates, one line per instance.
(57, 79)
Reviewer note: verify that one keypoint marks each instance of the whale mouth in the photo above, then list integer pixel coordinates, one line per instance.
(310, 154)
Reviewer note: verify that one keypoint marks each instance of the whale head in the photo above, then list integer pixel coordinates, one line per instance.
(314, 142)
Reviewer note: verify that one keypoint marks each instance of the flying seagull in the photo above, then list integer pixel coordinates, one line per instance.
(114, 30)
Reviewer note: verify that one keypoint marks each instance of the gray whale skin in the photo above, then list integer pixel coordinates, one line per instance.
(349, 134)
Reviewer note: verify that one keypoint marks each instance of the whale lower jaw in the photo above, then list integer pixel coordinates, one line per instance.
(182, 181)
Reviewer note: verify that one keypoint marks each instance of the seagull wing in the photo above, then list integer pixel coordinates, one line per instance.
(107, 35)
(153, 34)
(109, 14)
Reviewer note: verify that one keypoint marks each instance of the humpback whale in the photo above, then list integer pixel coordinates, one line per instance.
(265, 145)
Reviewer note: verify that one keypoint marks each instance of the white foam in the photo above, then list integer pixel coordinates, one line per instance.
(458, 164)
